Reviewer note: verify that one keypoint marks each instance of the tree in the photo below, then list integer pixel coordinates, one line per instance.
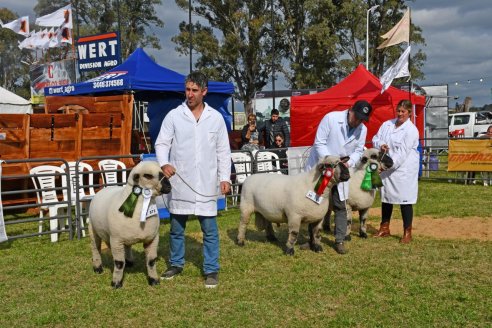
(242, 55)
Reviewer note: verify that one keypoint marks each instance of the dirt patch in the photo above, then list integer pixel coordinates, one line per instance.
(441, 228)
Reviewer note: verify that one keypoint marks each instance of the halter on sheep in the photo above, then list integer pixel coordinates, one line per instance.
(276, 198)
(361, 199)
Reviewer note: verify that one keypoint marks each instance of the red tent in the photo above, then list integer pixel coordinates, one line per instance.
(307, 111)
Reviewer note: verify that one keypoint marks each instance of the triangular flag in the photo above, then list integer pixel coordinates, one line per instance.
(20, 25)
(399, 33)
(62, 16)
(398, 69)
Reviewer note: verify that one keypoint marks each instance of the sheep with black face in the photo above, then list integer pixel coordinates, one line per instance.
(115, 217)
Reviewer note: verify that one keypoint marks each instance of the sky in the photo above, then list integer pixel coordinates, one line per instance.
(457, 35)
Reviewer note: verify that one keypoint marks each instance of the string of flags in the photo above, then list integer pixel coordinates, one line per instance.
(58, 35)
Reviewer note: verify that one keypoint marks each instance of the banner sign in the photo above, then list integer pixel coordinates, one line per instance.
(98, 52)
(51, 74)
(470, 155)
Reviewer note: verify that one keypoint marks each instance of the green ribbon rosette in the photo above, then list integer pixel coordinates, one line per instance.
(128, 206)
(371, 180)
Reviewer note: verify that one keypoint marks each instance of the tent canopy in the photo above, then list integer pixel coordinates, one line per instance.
(160, 86)
(10, 103)
(307, 111)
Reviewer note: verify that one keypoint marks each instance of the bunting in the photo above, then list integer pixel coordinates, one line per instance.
(60, 18)
(19, 26)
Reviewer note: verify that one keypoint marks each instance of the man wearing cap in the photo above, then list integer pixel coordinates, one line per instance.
(341, 133)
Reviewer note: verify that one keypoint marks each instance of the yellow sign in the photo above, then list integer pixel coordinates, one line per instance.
(470, 155)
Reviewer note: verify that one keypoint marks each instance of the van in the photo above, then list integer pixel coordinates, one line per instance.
(469, 124)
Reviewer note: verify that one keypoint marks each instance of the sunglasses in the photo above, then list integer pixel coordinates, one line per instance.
(278, 140)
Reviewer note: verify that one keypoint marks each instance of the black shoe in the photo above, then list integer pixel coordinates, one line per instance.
(340, 248)
(211, 280)
(171, 272)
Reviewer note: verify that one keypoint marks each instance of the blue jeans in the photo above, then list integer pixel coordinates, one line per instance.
(210, 242)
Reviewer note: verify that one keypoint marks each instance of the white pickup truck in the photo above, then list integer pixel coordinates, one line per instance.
(469, 124)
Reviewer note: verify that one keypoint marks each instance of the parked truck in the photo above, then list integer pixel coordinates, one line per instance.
(469, 124)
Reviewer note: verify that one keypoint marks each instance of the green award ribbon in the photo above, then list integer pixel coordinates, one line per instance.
(129, 204)
(367, 181)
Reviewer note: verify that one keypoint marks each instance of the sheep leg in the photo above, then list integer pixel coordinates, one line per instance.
(151, 259)
(245, 216)
(315, 236)
(363, 217)
(118, 251)
(96, 251)
(128, 256)
(270, 233)
(294, 226)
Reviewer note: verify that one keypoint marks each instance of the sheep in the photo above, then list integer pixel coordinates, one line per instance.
(361, 200)
(282, 199)
(119, 229)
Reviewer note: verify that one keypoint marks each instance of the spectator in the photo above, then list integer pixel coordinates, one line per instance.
(341, 133)
(250, 136)
(281, 151)
(399, 138)
(273, 126)
(193, 143)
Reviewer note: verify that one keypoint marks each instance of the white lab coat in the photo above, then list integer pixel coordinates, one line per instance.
(332, 139)
(200, 153)
(400, 183)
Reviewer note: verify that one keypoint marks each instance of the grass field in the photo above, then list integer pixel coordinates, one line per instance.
(380, 283)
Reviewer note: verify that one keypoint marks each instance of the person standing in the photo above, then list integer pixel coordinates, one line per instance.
(193, 144)
(273, 126)
(341, 133)
(399, 138)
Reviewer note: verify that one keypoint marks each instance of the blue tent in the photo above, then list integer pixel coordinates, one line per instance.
(161, 87)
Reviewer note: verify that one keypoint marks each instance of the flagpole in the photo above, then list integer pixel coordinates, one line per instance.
(409, 55)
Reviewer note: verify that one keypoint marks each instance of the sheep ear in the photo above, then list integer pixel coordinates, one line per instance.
(364, 160)
(136, 178)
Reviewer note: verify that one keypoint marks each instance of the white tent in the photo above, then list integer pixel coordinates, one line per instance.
(10, 103)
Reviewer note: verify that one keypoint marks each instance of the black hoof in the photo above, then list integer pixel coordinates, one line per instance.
(99, 269)
(348, 238)
(271, 238)
(116, 285)
(153, 282)
(289, 251)
(316, 248)
(240, 243)
(128, 264)
(362, 235)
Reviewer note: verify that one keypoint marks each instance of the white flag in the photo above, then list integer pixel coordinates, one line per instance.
(398, 69)
(61, 17)
(19, 26)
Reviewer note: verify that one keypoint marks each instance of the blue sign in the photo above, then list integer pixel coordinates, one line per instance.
(98, 52)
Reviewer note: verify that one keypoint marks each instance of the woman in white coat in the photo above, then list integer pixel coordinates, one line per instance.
(399, 138)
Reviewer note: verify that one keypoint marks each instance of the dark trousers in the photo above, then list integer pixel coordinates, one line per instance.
(340, 210)
(406, 213)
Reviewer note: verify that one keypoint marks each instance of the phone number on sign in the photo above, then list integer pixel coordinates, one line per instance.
(106, 84)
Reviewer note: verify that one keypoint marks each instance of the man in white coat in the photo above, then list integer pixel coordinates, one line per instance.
(399, 138)
(193, 150)
(341, 133)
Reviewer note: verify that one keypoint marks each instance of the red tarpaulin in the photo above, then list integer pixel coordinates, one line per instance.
(307, 111)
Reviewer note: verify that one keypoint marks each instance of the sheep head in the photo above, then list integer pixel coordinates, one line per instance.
(373, 155)
(341, 172)
(148, 174)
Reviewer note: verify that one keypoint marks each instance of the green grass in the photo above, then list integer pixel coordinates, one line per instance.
(380, 283)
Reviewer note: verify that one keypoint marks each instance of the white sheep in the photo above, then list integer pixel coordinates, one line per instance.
(361, 200)
(107, 223)
(282, 199)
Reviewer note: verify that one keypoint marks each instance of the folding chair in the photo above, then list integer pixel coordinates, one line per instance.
(112, 170)
(242, 165)
(265, 160)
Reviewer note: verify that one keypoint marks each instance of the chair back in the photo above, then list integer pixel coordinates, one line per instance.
(242, 165)
(112, 169)
(265, 161)
(85, 178)
(48, 182)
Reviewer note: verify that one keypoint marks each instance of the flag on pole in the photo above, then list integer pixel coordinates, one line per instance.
(399, 33)
(19, 26)
(398, 69)
(61, 17)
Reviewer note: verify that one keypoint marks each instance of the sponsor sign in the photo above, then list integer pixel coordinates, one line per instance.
(98, 52)
(470, 155)
(107, 81)
(52, 74)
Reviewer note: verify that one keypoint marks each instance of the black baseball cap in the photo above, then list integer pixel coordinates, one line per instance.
(362, 109)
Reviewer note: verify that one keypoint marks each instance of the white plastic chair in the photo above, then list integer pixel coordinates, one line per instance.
(110, 172)
(264, 162)
(84, 194)
(242, 165)
(49, 199)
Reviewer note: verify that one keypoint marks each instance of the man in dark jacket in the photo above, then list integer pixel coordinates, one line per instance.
(273, 126)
